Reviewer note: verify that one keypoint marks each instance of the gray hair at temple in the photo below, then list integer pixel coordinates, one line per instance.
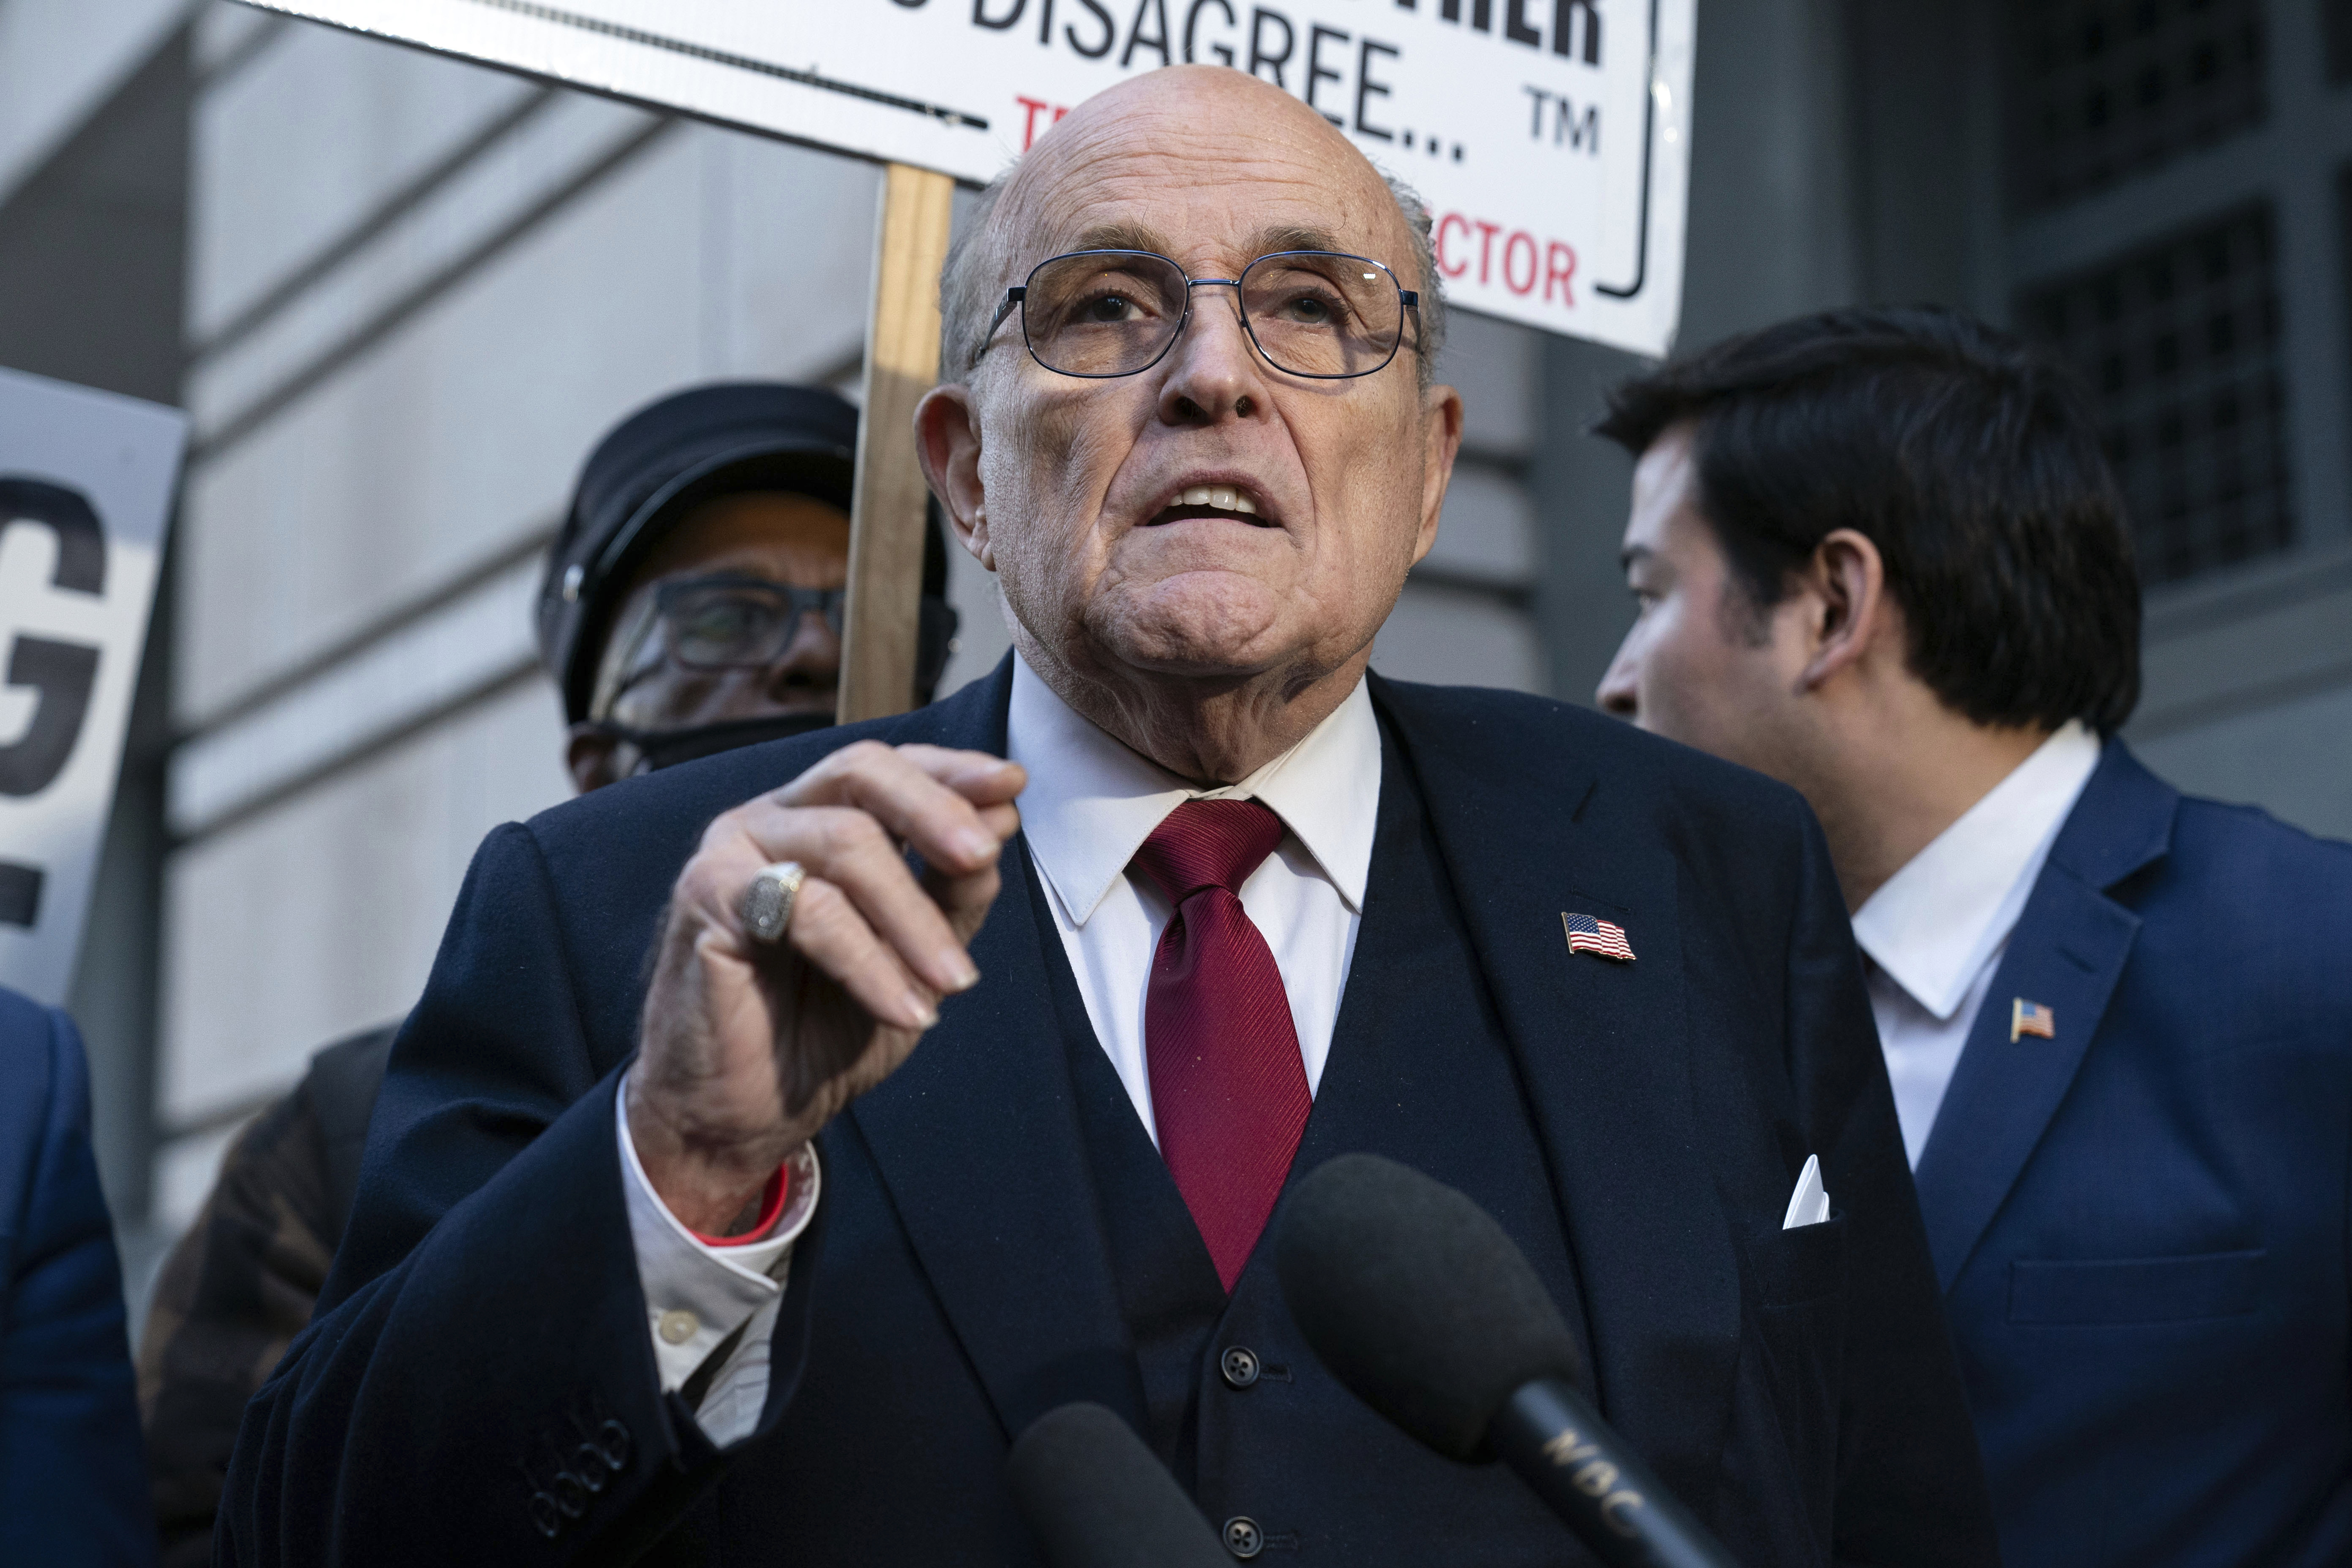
(973, 281)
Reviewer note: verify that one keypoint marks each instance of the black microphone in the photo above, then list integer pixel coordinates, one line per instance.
(1097, 1498)
(1419, 1302)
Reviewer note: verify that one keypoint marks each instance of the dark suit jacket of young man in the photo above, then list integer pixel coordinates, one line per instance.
(73, 1479)
(480, 1381)
(2141, 1226)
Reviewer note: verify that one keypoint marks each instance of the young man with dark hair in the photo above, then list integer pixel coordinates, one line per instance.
(1879, 556)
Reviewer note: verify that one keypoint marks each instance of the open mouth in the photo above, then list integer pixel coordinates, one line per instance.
(1226, 501)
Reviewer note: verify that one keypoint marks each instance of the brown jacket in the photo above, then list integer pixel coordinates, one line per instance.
(239, 1286)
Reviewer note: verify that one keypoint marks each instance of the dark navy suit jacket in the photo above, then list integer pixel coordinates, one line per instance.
(2141, 1226)
(73, 1476)
(479, 1381)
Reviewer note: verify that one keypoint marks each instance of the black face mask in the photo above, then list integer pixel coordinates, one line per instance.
(660, 749)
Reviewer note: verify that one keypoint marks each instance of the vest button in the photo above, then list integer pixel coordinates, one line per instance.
(1244, 1538)
(1240, 1366)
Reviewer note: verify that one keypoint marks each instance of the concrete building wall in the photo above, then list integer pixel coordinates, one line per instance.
(62, 61)
(2249, 688)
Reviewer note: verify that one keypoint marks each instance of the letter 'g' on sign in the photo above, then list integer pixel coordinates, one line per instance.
(86, 485)
(60, 674)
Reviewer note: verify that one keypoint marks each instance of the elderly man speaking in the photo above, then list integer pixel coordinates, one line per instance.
(779, 1135)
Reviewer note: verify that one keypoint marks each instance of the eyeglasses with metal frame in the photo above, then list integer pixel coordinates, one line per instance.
(726, 620)
(1321, 314)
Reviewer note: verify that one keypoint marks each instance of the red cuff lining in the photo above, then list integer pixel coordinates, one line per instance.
(772, 1209)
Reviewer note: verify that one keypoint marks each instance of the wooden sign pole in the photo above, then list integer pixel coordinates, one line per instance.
(886, 526)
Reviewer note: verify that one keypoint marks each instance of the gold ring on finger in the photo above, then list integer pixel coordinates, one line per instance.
(768, 902)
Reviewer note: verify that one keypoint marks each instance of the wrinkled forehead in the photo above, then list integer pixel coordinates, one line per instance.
(1154, 185)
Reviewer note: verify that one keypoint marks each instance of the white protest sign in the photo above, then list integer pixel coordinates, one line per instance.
(1549, 137)
(86, 481)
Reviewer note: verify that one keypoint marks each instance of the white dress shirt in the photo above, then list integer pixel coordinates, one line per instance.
(1089, 806)
(1935, 932)
(1091, 803)
(697, 1294)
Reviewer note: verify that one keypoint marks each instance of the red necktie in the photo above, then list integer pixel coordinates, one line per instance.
(1228, 1089)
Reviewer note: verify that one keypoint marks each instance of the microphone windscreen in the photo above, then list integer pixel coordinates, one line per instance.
(1416, 1299)
(1097, 1498)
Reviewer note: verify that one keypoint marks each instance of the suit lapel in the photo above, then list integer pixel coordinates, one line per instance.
(978, 1141)
(1605, 1053)
(2068, 950)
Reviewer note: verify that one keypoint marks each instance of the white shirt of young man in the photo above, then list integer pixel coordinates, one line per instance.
(1090, 804)
(1934, 934)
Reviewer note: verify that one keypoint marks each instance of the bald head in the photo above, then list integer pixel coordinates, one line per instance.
(1175, 140)
(1195, 553)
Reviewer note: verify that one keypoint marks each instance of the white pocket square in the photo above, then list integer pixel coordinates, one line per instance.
(1810, 1204)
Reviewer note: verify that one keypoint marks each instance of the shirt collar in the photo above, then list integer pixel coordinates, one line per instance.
(1091, 801)
(1935, 922)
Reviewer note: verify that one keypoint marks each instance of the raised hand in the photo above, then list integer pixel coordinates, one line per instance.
(747, 1049)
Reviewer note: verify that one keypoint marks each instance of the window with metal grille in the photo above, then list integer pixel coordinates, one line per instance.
(2180, 342)
(2102, 90)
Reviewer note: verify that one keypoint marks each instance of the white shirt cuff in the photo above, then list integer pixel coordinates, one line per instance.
(697, 1294)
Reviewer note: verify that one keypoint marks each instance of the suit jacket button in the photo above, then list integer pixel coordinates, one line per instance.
(1244, 1538)
(1239, 1364)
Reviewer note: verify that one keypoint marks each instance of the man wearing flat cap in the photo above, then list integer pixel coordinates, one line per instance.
(693, 600)
(780, 1135)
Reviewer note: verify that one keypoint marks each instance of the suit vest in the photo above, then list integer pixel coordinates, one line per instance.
(1421, 1070)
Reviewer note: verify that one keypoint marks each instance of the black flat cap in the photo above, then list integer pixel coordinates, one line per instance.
(654, 466)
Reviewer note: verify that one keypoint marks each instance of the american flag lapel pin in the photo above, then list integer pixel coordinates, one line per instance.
(2031, 1019)
(1606, 938)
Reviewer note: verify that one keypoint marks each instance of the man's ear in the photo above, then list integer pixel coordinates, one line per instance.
(1441, 422)
(1849, 613)
(947, 441)
(590, 754)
